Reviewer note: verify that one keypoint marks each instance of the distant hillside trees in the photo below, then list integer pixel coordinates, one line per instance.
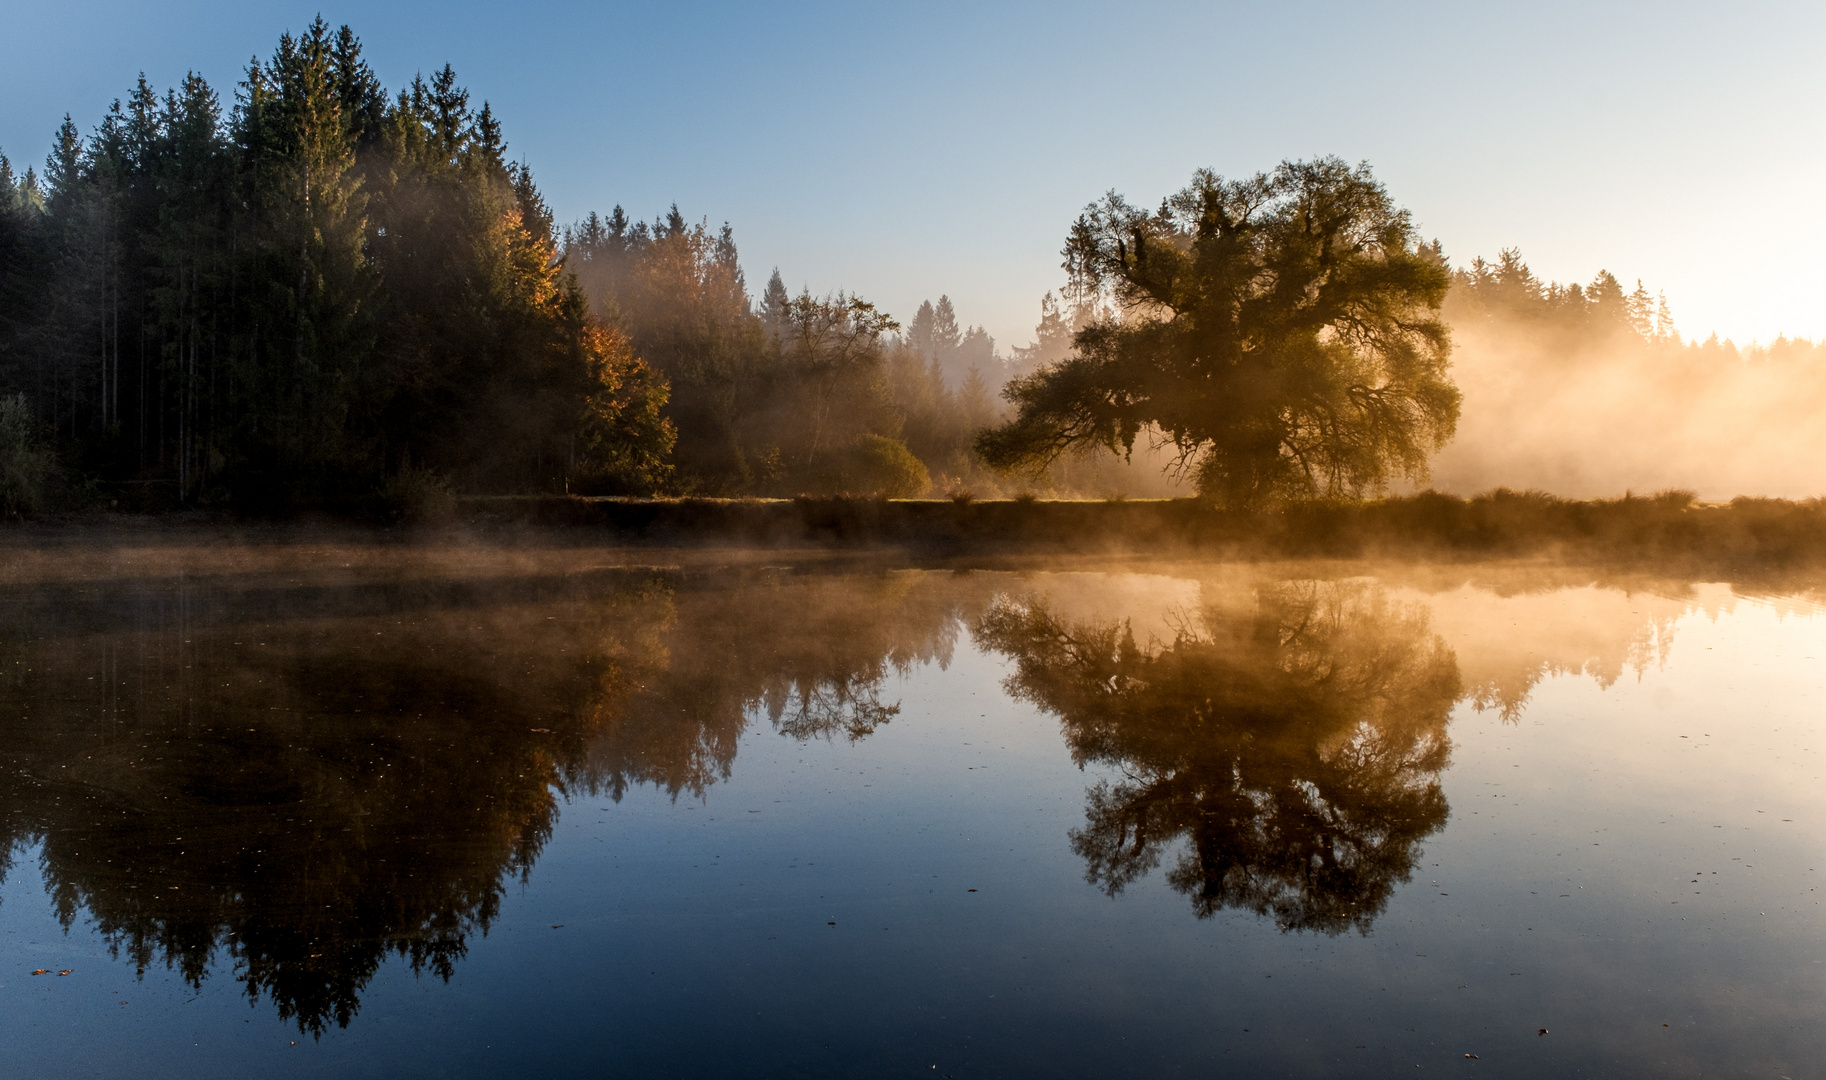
(1281, 332)
(309, 291)
(782, 395)
(1589, 390)
(961, 354)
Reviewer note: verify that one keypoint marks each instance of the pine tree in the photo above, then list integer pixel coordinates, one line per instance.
(314, 328)
(946, 337)
(920, 331)
(308, 296)
(773, 305)
(1664, 322)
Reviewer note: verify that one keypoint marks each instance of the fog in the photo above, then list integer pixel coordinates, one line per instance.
(1589, 391)
(1584, 391)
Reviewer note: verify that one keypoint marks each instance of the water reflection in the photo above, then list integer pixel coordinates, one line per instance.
(1294, 745)
(679, 681)
(303, 780)
(296, 775)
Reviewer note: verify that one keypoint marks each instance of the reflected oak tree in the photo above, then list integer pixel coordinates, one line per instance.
(1295, 748)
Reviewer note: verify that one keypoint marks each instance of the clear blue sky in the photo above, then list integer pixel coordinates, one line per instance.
(903, 151)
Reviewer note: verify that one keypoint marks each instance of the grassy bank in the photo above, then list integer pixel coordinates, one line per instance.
(1505, 524)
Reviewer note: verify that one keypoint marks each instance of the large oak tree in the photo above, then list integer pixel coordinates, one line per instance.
(1280, 332)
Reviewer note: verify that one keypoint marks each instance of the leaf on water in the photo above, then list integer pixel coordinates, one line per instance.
(42, 971)
(66, 971)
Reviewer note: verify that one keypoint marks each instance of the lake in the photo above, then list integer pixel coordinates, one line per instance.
(285, 804)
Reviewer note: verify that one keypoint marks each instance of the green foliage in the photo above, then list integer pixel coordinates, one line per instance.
(296, 299)
(884, 467)
(415, 496)
(677, 293)
(1281, 333)
(625, 439)
(26, 466)
(773, 397)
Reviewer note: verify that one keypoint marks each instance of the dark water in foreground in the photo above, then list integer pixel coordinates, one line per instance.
(318, 810)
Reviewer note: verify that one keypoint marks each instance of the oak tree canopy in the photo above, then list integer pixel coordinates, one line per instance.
(1280, 332)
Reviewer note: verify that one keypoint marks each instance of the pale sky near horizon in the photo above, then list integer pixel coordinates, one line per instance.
(903, 151)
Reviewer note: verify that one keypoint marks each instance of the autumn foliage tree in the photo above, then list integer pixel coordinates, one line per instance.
(784, 396)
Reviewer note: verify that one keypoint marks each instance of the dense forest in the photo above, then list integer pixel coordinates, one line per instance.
(318, 291)
(790, 393)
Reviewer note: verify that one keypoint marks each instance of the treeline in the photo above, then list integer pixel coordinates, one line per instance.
(787, 393)
(319, 291)
(1591, 391)
(1572, 314)
(312, 291)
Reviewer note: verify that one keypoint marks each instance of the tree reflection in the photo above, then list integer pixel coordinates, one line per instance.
(809, 652)
(296, 776)
(306, 779)
(1294, 744)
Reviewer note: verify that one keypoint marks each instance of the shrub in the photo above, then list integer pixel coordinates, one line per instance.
(880, 466)
(415, 496)
(25, 466)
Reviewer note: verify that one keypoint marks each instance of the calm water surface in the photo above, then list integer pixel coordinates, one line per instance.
(306, 808)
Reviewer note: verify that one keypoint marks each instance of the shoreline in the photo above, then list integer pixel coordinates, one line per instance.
(1669, 528)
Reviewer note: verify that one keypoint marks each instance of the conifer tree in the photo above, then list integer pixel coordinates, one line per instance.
(310, 294)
